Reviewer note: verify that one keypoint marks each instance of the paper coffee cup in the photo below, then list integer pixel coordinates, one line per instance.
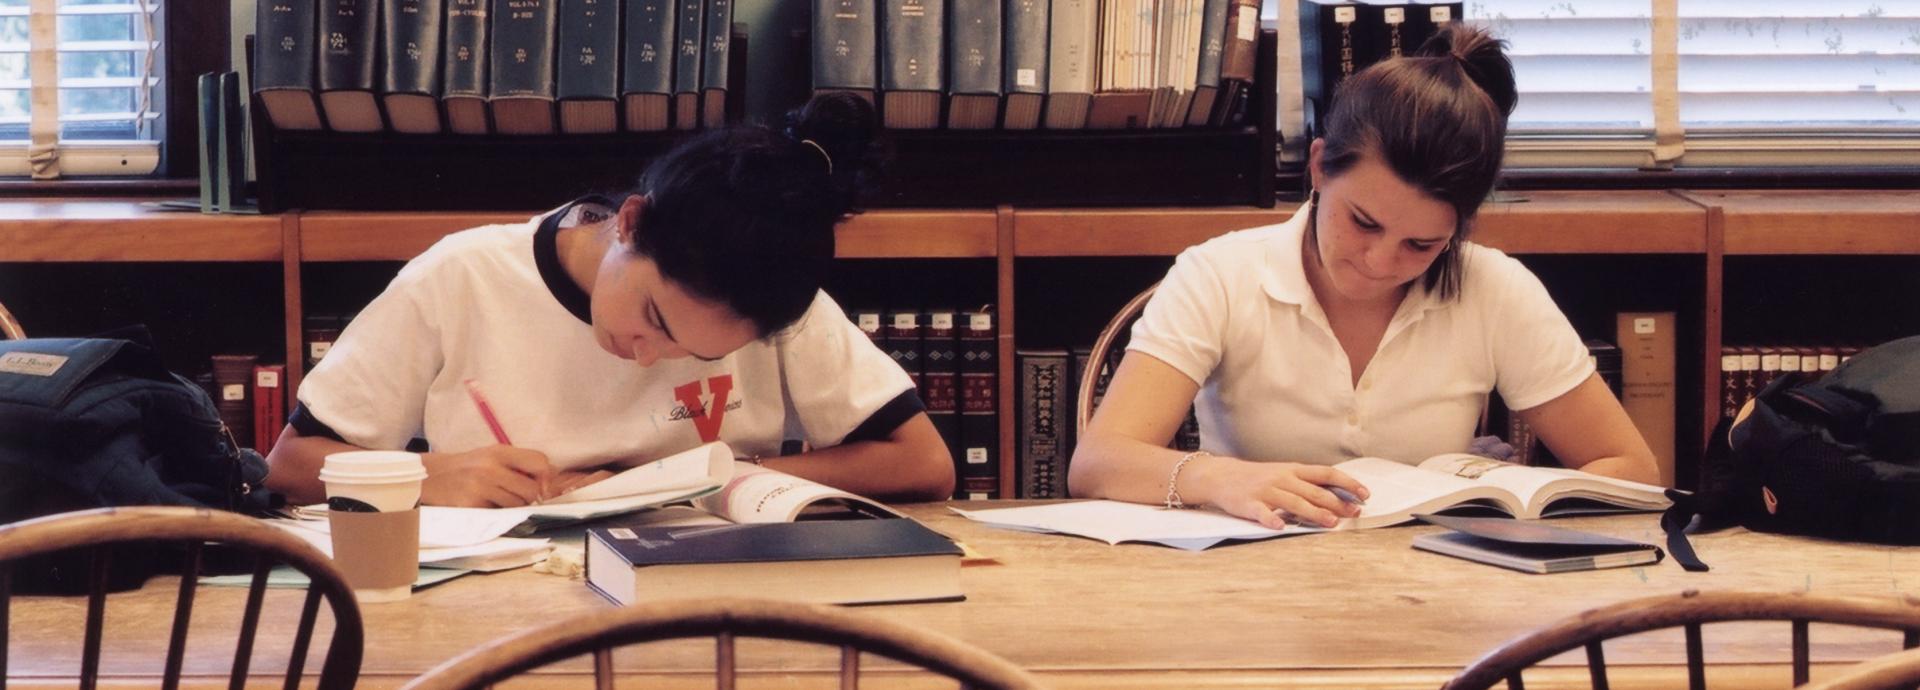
(373, 499)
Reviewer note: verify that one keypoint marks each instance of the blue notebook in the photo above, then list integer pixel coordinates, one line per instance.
(1530, 546)
(853, 561)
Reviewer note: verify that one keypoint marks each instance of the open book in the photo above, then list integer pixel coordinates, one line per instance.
(739, 492)
(1396, 492)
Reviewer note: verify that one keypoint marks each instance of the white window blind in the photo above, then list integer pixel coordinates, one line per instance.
(102, 112)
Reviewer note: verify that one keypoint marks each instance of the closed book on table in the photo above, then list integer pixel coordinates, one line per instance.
(464, 62)
(973, 65)
(522, 89)
(283, 62)
(588, 72)
(410, 32)
(714, 63)
(646, 78)
(979, 457)
(1532, 547)
(1024, 73)
(1073, 33)
(940, 379)
(688, 38)
(824, 561)
(913, 73)
(347, 55)
(846, 47)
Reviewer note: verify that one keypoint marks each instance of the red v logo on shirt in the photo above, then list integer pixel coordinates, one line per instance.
(706, 413)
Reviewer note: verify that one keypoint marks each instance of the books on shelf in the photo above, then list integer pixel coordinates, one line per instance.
(521, 88)
(979, 456)
(410, 84)
(347, 58)
(283, 63)
(464, 62)
(715, 62)
(1023, 73)
(974, 36)
(846, 47)
(588, 66)
(1532, 547)
(689, 38)
(646, 87)
(913, 70)
(1647, 357)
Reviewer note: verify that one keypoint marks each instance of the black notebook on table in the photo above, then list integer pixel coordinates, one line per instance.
(853, 561)
(1531, 547)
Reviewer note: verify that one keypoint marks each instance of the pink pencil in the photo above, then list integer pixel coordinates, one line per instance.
(486, 412)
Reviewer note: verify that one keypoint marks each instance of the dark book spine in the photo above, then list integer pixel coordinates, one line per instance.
(320, 332)
(902, 337)
(688, 36)
(1729, 382)
(1046, 417)
(1382, 30)
(465, 56)
(719, 40)
(973, 48)
(1424, 20)
(269, 405)
(940, 382)
(979, 407)
(648, 54)
(283, 45)
(410, 49)
(523, 48)
(348, 29)
(233, 384)
(911, 45)
(1026, 42)
(589, 49)
(1328, 54)
(845, 45)
(1213, 34)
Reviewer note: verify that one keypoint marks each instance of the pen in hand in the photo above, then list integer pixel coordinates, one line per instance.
(486, 413)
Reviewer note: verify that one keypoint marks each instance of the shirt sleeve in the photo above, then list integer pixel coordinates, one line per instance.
(1184, 323)
(839, 385)
(1537, 356)
(371, 388)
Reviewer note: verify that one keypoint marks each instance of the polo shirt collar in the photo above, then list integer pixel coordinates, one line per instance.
(1284, 275)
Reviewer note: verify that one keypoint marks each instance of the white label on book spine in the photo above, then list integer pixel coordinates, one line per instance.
(1440, 15)
(318, 350)
(982, 321)
(978, 496)
(31, 363)
(266, 379)
(940, 320)
(1769, 362)
(869, 322)
(233, 391)
(1790, 362)
(1249, 22)
(1026, 77)
(1829, 362)
(906, 320)
(1341, 15)
(622, 533)
(1643, 326)
(1396, 15)
(1730, 363)
(976, 456)
(1750, 362)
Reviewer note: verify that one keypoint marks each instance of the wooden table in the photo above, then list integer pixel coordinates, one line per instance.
(1358, 609)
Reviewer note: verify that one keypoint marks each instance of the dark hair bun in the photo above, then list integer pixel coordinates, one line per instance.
(1482, 56)
(843, 125)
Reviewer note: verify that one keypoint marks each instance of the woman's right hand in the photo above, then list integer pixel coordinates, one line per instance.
(496, 476)
(1270, 492)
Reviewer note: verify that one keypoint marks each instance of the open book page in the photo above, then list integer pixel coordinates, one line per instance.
(1537, 488)
(678, 477)
(1397, 491)
(758, 494)
(1114, 522)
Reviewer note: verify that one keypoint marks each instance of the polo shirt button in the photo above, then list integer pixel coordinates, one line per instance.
(1353, 419)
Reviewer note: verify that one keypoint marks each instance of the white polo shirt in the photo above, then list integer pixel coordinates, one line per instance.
(1237, 316)
(493, 304)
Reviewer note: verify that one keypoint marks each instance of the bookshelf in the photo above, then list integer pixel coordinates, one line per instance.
(1714, 237)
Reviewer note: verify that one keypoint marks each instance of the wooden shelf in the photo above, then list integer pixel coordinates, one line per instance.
(1605, 222)
(402, 235)
(1817, 222)
(1131, 231)
(63, 230)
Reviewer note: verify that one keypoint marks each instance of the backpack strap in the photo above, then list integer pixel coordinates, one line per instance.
(1674, 522)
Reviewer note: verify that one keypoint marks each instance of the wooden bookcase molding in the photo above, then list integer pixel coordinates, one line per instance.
(1710, 225)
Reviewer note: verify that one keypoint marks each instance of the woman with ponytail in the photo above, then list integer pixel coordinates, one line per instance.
(613, 331)
(1366, 325)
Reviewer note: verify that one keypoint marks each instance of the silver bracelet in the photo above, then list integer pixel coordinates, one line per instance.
(1173, 478)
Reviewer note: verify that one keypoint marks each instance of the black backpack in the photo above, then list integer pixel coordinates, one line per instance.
(97, 422)
(1837, 457)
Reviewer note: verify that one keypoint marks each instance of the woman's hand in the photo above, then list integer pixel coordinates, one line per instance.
(567, 480)
(496, 476)
(1270, 492)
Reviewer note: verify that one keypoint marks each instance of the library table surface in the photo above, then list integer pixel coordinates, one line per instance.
(1353, 609)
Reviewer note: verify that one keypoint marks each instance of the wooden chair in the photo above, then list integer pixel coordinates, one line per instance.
(9, 326)
(1897, 670)
(724, 619)
(1690, 609)
(1106, 347)
(192, 528)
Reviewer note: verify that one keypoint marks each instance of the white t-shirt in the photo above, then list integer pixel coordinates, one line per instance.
(1237, 316)
(494, 305)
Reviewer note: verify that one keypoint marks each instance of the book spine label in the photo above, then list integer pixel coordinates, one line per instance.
(973, 48)
(846, 45)
(1026, 40)
(910, 45)
(979, 402)
(1071, 33)
(283, 47)
(688, 37)
(348, 31)
(465, 55)
(719, 40)
(1046, 396)
(648, 54)
(410, 49)
(589, 49)
(523, 47)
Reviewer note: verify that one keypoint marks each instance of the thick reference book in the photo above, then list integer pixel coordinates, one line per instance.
(714, 65)
(1046, 422)
(1073, 35)
(1647, 357)
(589, 66)
(846, 47)
(283, 62)
(979, 456)
(522, 89)
(1531, 547)
(347, 57)
(820, 561)
(1213, 42)
(689, 40)
(646, 86)
(973, 66)
(913, 73)
(1329, 53)
(463, 92)
(410, 34)
(940, 381)
(1024, 74)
